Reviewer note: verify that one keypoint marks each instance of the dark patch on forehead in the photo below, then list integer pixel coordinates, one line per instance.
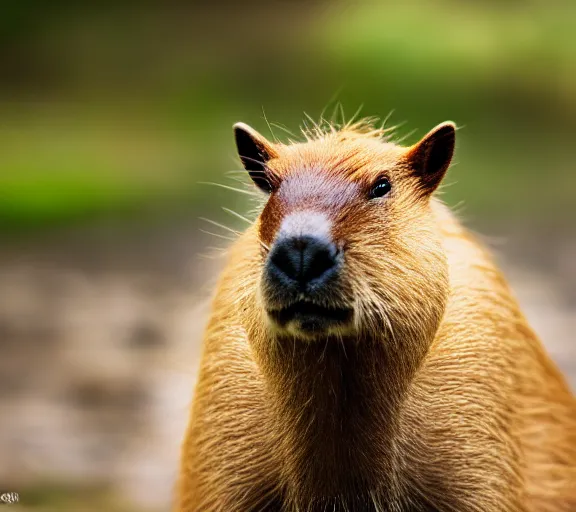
(315, 188)
(307, 189)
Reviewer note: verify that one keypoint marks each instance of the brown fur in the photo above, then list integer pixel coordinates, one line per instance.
(441, 397)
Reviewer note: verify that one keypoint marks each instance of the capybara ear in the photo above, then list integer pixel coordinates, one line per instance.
(255, 151)
(430, 157)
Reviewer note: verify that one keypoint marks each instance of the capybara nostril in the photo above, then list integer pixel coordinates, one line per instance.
(303, 259)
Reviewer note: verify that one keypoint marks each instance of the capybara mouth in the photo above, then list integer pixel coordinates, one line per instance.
(310, 317)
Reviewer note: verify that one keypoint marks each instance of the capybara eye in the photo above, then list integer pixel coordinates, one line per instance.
(380, 188)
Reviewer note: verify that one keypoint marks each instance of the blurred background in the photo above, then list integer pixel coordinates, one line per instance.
(112, 114)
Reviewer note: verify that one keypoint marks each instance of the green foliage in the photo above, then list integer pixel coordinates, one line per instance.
(504, 71)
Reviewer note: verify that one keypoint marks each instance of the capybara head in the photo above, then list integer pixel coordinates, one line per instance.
(350, 243)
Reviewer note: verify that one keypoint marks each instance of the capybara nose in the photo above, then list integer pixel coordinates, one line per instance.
(303, 259)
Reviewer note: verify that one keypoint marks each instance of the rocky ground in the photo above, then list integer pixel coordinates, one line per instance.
(99, 333)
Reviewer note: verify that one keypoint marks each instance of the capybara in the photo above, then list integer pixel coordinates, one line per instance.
(364, 353)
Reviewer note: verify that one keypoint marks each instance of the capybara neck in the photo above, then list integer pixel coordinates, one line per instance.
(330, 402)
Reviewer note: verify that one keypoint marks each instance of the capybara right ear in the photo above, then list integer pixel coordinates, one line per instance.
(430, 157)
(255, 151)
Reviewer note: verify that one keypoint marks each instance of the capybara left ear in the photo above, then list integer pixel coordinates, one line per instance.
(431, 156)
(255, 151)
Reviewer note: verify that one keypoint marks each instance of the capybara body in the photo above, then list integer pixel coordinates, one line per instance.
(365, 354)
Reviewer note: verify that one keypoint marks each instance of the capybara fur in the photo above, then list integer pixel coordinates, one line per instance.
(364, 353)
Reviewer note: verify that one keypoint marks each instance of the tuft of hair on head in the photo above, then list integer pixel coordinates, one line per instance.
(366, 127)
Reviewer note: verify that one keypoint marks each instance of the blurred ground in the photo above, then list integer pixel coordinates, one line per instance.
(100, 347)
(98, 361)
